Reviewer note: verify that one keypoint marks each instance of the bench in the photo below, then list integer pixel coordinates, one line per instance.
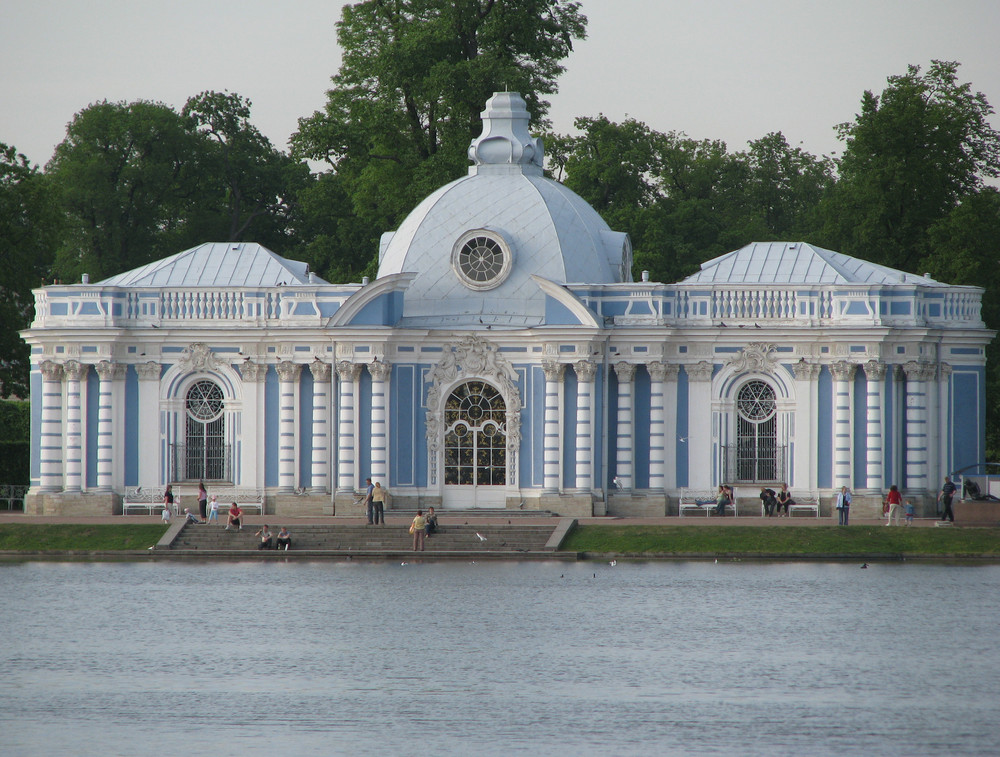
(810, 503)
(150, 501)
(701, 501)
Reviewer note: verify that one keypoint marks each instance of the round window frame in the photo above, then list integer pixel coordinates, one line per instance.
(506, 266)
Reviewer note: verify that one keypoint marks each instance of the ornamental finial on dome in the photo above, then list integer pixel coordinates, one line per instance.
(505, 143)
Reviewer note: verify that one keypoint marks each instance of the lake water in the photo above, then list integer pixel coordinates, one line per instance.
(324, 658)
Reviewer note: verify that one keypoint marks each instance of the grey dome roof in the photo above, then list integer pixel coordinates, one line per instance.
(550, 232)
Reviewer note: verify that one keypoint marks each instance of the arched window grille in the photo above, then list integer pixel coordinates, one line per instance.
(475, 437)
(205, 454)
(758, 456)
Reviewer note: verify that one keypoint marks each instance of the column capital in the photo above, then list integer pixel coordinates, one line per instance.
(662, 371)
(946, 371)
(700, 371)
(149, 371)
(625, 371)
(110, 371)
(843, 370)
(874, 370)
(252, 372)
(379, 370)
(806, 371)
(553, 370)
(348, 371)
(585, 370)
(75, 370)
(288, 371)
(917, 371)
(51, 371)
(321, 371)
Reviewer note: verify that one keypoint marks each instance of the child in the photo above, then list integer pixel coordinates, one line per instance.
(909, 512)
(213, 510)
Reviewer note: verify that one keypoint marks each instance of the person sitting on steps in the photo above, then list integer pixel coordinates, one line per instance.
(265, 537)
(284, 539)
(235, 517)
(432, 521)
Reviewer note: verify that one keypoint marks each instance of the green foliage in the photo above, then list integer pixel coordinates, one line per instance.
(15, 420)
(32, 537)
(791, 541)
(29, 227)
(406, 102)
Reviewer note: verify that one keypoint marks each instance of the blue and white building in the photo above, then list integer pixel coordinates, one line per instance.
(503, 358)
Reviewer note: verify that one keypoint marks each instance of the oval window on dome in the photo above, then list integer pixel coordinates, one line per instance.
(481, 259)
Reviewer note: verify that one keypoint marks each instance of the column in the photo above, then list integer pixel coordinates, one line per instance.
(670, 435)
(320, 470)
(348, 374)
(933, 413)
(843, 427)
(51, 432)
(804, 474)
(551, 433)
(942, 460)
(916, 427)
(75, 373)
(585, 372)
(657, 426)
(874, 377)
(107, 374)
(149, 425)
(623, 441)
(699, 425)
(288, 375)
(380, 372)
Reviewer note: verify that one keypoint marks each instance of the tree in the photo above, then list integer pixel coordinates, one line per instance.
(407, 99)
(29, 227)
(126, 174)
(247, 185)
(911, 155)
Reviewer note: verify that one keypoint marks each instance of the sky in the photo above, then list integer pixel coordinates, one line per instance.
(714, 69)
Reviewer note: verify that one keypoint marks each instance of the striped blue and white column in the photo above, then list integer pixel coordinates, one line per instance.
(843, 426)
(874, 378)
(288, 375)
(551, 441)
(380, 372)
(657, 426)
(51, 432)
(585, 372)
(107, 374)
(348, 374)
(624, 444)
(75, 373)
(916, 426)
(320, 463)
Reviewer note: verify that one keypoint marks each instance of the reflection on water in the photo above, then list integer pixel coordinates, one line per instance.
(496, 659)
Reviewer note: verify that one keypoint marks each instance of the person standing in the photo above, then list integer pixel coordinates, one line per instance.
(843, 506)
(895, 502)
(419, 529)
(369, 491)
(378, 504)
(213, 510)
(202, 501)
(168, 499)
(947, 493)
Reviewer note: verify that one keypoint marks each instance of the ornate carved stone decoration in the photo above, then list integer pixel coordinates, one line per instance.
(288, 371)
(662, 371)
(110, 371)
(700, 371)
(252, 372)
(51, 371)
(806, 371)
(74, 370)
(199, 357)
(473, 358)
(148, 371)
(348, 371)
(625, 371)
(585, 370)
(756, 357)
(380, 371)
(321, 371)
(843, 371)
(874, 370)
(553, 371)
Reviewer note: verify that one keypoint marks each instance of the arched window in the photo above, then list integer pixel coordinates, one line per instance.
(205, 456)
(758, 457)
(475, 436)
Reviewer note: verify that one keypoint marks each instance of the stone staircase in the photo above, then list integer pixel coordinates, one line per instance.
(376, 542)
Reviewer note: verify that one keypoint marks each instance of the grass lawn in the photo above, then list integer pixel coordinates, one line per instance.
(832, 541)
(36, 537)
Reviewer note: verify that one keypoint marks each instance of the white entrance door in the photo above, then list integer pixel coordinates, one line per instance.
(475, 447)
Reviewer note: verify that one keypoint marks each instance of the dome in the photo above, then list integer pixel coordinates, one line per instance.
(475, 244)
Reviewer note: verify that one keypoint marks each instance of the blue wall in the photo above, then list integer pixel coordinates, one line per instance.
(824, 429)
(271, 415)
